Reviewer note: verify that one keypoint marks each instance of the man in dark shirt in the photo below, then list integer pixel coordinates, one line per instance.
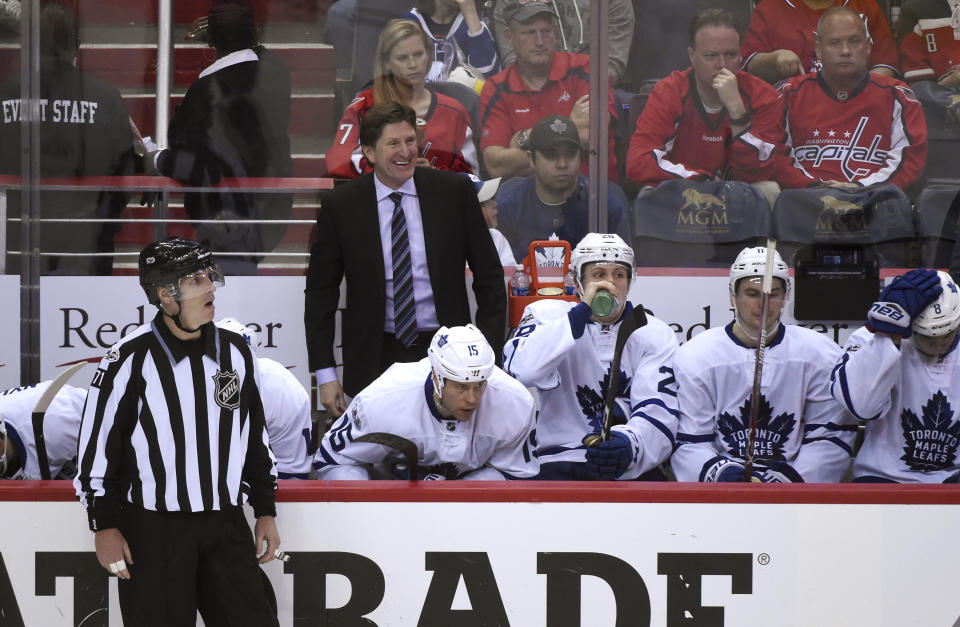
(84, 131)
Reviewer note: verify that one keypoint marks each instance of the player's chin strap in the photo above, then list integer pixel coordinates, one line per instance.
(753, 338)
(176, 318)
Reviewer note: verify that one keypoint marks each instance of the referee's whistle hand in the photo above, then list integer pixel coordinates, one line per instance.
(265, 530)
(113, 553)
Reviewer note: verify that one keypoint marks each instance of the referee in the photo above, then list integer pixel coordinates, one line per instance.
(172, 442)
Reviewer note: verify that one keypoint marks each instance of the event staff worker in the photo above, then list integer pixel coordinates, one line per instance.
(802, 433)
(172, 442)
(468, 418)
(541, 81)
(846, 126)
(710, 120)
(19, 458)
(565, 350)
(899, 375)
(400, 235)
(84, 130)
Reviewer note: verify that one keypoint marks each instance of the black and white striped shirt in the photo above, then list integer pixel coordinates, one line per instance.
(174, 426)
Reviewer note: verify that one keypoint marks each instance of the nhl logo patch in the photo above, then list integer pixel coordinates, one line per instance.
(227, 392)
(356, 419)
(112, 355)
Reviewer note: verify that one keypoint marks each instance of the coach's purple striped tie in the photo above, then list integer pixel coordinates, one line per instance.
(404, 307)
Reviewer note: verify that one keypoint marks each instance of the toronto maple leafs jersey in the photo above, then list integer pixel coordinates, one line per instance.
(498, 440)
(909, 405)
(286, 408)
(799, 423)
(61, 426)
(572, 375)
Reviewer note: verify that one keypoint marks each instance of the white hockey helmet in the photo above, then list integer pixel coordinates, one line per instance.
(942, 315)
(3, 447)
(232, 324)
(608, 247)
(460, 354)
(751, 262)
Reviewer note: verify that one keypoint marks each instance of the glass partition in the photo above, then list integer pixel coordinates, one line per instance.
(91, 90)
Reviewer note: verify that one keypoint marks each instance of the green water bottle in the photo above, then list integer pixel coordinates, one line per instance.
(603, 303)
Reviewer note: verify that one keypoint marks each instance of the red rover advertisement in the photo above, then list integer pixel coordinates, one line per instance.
(533, 554)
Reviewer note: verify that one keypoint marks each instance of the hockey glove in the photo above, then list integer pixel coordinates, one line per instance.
(902, 301)
(608, 460)
(723, 470)
(778, 472)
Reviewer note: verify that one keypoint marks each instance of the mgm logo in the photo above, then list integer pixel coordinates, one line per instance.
(953, 109)
(840, 215)
(702, 212)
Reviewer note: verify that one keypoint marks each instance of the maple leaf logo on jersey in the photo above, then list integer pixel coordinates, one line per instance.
(772, 432)
(591, 403)
(930, 439)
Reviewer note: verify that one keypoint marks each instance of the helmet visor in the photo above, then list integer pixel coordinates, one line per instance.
(201, 282)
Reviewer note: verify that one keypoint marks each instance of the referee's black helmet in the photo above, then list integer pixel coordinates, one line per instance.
(164, 263)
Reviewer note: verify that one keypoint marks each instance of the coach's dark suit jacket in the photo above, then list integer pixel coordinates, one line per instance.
(348, 244)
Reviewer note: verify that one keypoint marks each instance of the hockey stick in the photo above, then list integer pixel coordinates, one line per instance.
(765, 288)
(400, 444)
(40, 409)
(631, 322)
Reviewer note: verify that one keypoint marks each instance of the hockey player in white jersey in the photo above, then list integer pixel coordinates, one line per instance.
(901, 375)
(565, 351)
(286, 408)
(61, 426)
(802, 433)
(468, 419)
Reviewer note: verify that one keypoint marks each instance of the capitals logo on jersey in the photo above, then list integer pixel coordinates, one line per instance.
(843, 147)
(591, 402)
(772, 432)
(930, 439)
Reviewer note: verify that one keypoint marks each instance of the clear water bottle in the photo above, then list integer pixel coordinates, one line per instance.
(570, 282)
(520, 281)
(603, 303)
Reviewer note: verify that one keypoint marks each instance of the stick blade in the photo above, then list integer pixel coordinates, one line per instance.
(398, 443)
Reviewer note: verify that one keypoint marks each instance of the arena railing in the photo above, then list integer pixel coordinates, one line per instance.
(162, 186)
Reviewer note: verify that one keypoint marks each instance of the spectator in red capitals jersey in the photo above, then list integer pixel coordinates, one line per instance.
(845, 126)
(709, 120)
(402, 61)
(780, 40)
(930, 41)
(541, 82)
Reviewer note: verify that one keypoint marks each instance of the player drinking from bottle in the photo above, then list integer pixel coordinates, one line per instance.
(801, 433)
(565, 350)
(899, 374)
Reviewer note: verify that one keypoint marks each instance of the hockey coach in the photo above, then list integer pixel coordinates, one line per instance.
(400, 235)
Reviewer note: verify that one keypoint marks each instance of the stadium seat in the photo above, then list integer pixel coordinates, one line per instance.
(939, 209)
(462, 94)
(697, 223)
(880, 219)
(941, 108)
